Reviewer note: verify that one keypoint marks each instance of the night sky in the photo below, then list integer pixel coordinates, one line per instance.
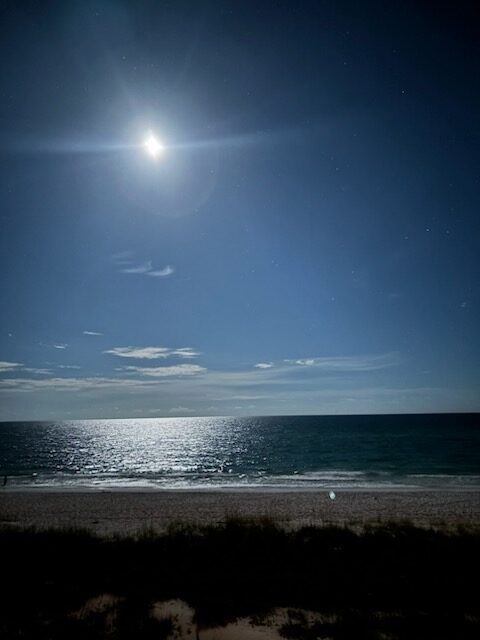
(306, 242)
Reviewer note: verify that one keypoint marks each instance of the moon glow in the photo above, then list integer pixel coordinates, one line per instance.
(153, 146)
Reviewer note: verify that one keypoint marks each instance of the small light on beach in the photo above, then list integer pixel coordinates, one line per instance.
(331, 495)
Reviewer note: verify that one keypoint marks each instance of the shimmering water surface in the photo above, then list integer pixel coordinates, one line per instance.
(441, 450)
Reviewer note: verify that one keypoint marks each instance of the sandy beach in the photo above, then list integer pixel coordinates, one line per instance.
(129, 512)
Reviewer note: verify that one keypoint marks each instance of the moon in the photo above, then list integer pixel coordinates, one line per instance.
(153, 146)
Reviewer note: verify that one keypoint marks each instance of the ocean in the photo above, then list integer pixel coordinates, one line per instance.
(289, 452)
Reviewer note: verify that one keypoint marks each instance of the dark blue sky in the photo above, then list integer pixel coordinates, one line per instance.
(307, 242)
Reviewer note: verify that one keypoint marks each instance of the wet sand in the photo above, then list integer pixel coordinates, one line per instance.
(130, 512)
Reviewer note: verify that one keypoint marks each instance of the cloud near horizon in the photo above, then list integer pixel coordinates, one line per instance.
(206, 393)
(9, 366)
(286, 386)
(18, 367)
(180, 410)
(92, 333)
(71, 384)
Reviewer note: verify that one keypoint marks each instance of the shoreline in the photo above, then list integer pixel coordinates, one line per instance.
(129, 512)
(250, 489)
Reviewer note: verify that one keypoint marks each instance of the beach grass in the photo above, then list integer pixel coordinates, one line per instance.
(389, 581)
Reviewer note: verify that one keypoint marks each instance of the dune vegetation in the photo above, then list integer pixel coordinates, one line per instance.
(393, 581)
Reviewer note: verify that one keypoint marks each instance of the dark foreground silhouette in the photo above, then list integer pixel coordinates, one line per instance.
(387, 582)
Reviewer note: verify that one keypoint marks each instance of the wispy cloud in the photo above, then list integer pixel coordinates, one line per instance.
(349, 363)
(17, 367)
(264, 365)
(60, 346)
(92, 333)
(165, 372)
(161, 273)
(185, 352)
(68, 366)
(39, 372)
(129, 265)
(152, 353)
(122, 257)
(9, 366)
(170, 375)
(71, 384)
(139, 268)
